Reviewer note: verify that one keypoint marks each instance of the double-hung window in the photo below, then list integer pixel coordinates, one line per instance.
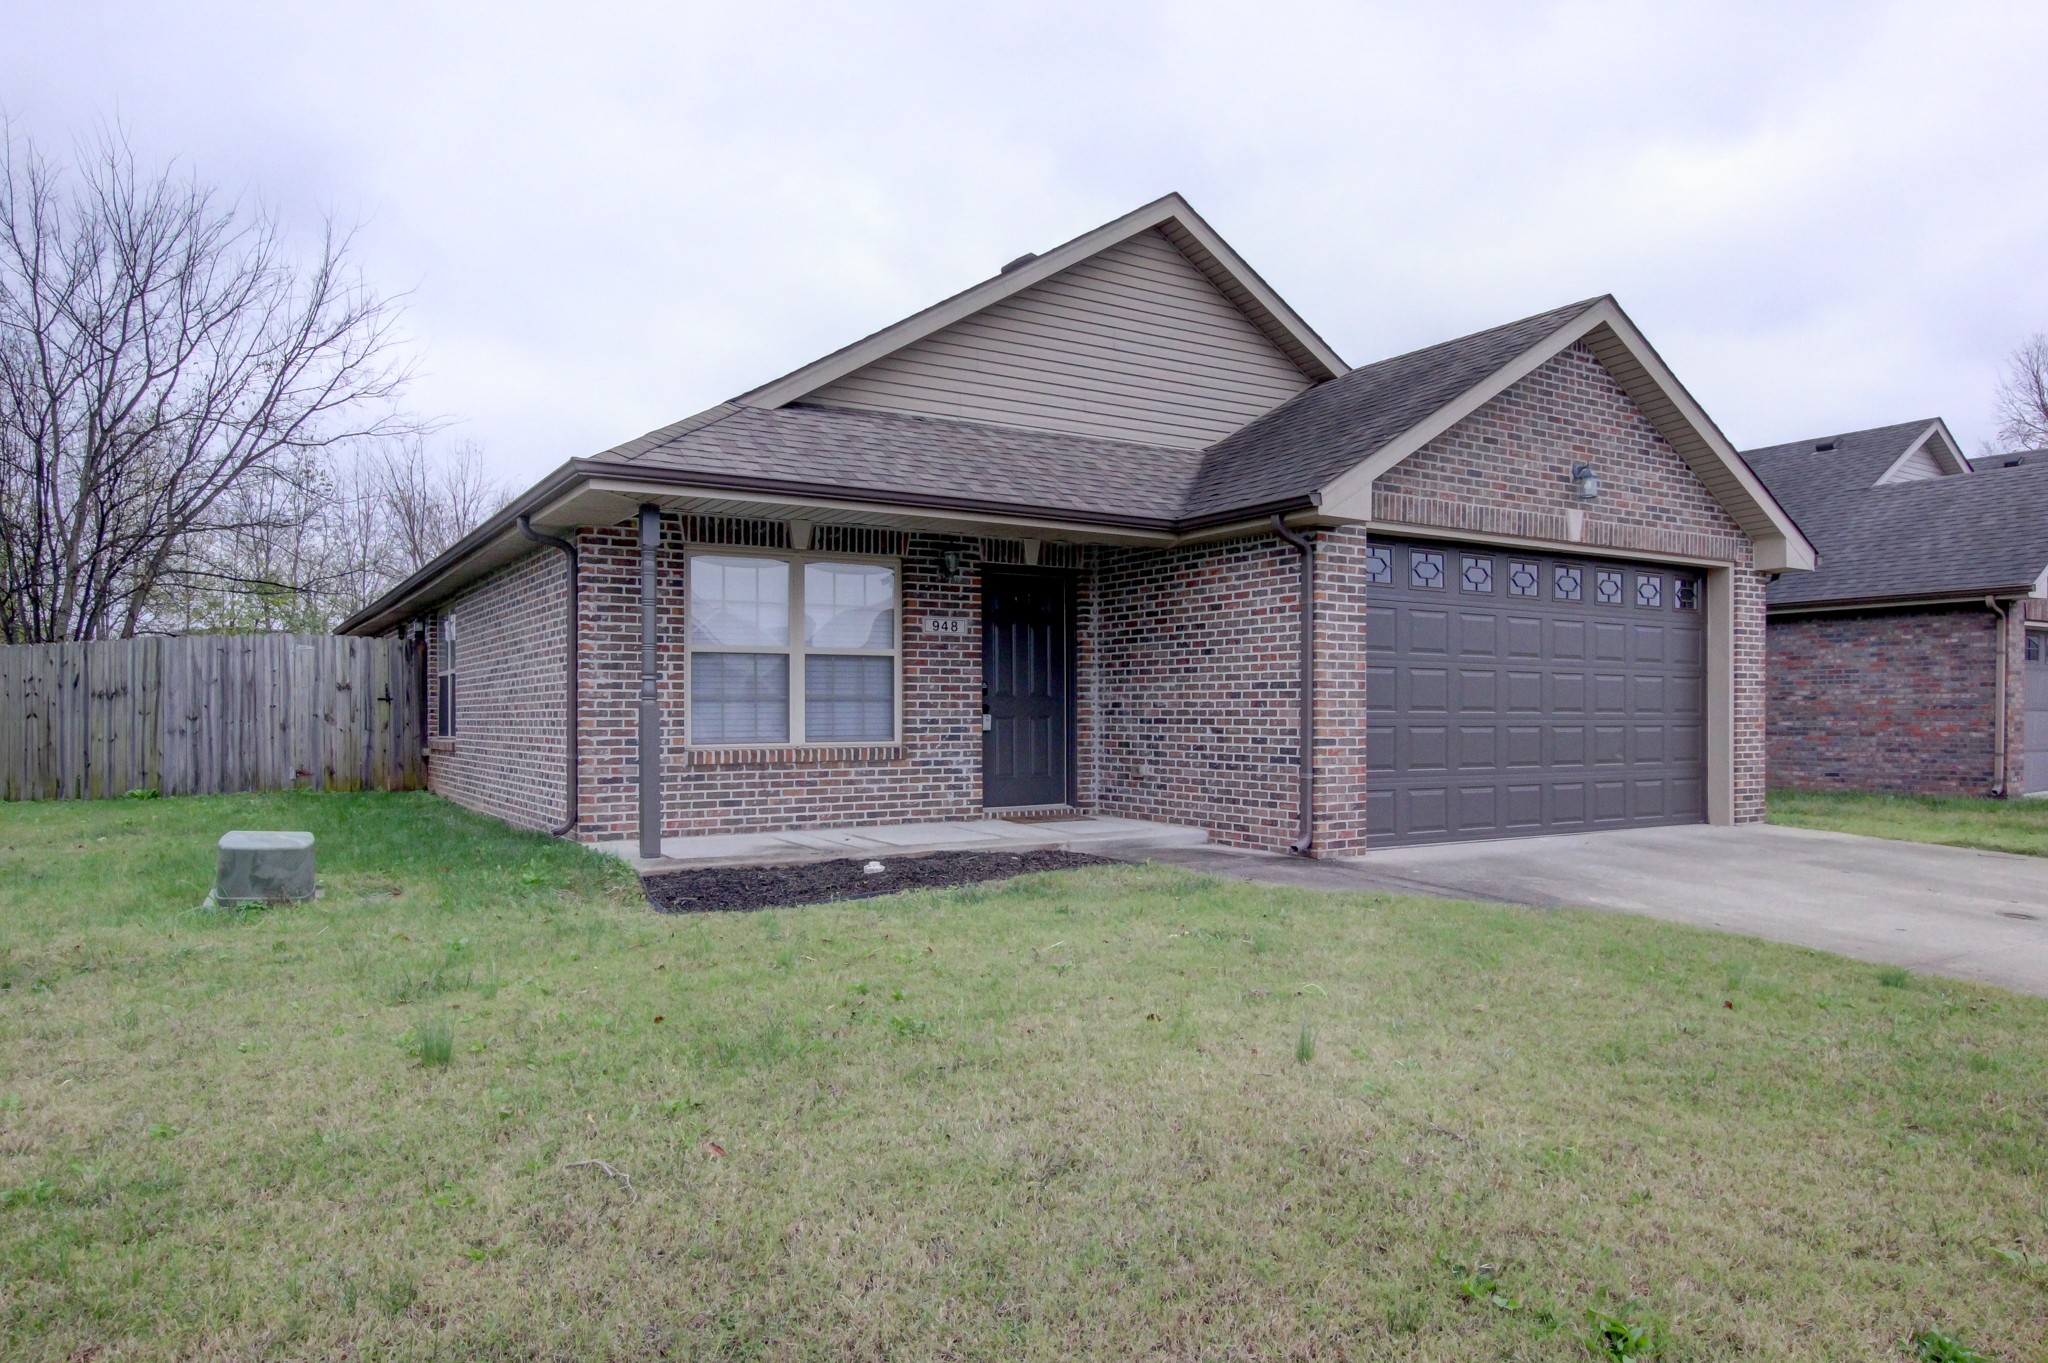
(784, 646)
(444, 681)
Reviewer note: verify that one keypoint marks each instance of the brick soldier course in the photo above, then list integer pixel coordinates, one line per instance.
(1184, 685)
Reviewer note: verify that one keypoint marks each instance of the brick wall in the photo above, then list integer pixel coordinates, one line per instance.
(1197, 705)
(1512, 461)
(506, 758)
(1888, 701)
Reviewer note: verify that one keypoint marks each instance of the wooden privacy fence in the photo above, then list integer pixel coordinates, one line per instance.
(208, 714)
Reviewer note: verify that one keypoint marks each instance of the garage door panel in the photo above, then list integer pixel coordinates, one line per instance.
(1513, 693)
(1478, 746)
(1610, 801)
(1610, 641)
(1381, 626)
(1426, 810)
(1429, 631)
(1522, 808)
(1651, 748)
(1379, 814)
(1610, 693)
(1524, 746)
(1478, 689)
(1429, 690)
(1478, 810)
(1478, 635)
(1525, 693)
(1381, 681)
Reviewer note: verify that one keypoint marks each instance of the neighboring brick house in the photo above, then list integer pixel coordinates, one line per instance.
(1043, 546)
(1906, 662)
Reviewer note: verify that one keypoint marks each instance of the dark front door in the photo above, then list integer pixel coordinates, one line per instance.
(1510, 693)
(1027, 673)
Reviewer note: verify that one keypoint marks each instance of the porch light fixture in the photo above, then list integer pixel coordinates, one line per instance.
(950, 565)
(1585, 482)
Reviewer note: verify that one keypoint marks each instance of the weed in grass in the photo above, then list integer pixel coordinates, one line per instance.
(1894, 977)
(433, 1041)
(1939, 1346)
(400, 1291)
(2022, 1260)
(31, 1194)
(1305, 1043)
(1621, 1339)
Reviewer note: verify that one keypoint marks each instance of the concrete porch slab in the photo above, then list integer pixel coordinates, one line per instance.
(904, 839)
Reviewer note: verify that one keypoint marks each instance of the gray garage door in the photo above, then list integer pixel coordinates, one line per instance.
(1516, 693)
(2036, 772)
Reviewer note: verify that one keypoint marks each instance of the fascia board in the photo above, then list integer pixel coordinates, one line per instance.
(1160, 212)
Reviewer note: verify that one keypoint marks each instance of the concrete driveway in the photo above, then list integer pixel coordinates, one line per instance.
(1941, 910)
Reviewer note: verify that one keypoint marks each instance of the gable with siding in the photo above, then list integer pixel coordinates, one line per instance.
(1132, 343)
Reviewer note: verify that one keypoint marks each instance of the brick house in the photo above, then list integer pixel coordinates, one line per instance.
(1915, 659)
(1115, 531)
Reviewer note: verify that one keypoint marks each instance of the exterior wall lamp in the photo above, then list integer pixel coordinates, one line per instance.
(1585, 482)
(949, 565)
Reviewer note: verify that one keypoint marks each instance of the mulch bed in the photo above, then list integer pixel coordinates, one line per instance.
(718, 889)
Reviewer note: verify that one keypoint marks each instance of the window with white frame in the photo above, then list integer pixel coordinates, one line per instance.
(444, 688)
(782, 646)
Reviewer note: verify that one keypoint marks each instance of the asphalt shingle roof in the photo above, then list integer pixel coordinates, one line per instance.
(1280, 458)
(1313, 437)
(1938, 537)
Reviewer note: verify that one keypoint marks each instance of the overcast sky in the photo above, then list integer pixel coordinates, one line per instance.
(611, 215)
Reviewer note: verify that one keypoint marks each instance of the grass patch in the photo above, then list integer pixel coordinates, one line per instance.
(1113, 1112)
(2017, 825)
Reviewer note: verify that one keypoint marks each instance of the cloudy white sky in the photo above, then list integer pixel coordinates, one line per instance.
(609, 215)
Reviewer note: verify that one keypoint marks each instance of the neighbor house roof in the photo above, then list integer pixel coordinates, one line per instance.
(1152, 291)
(1964, 534)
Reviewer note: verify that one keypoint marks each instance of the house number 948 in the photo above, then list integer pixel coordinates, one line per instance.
(947, 626)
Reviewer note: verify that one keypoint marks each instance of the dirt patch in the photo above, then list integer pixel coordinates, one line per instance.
(717, 889)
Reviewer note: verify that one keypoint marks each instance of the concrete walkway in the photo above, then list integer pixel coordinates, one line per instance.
(1939, 910)
(1080, 833)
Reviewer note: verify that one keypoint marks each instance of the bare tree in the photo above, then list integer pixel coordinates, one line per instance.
(428, 503)
(2022, 397)
(167, 374)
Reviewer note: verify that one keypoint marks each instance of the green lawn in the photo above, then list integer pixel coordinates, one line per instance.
(1123, 1112)
(2017, 825)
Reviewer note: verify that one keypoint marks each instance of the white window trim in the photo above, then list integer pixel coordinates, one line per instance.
(796, 650)
(446, 641)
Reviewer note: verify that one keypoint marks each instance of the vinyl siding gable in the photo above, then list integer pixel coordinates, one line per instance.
(1917, 467)
(1133, 343)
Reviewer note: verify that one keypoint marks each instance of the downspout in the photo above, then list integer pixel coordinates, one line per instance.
(1998, 718)
(650, 691)
(1307, 690)
(573, 693)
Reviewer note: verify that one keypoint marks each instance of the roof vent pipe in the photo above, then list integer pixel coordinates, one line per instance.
(570, 688)
(1302, 845)
(1024, 259)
